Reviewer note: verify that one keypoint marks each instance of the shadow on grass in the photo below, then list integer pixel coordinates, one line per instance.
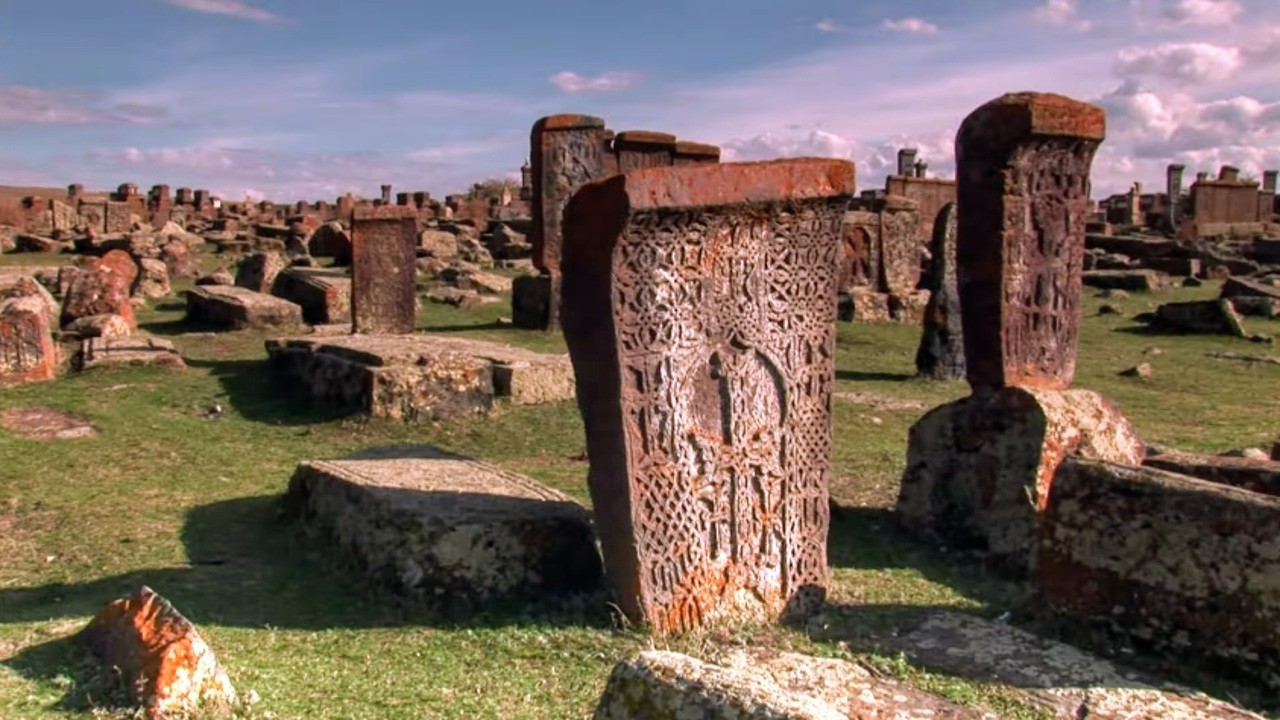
(254, 390)
(869, 376)
(87, 685)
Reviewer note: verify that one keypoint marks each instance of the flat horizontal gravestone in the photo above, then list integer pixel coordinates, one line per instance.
(235, 308)
(699, 309)
(438, 529)
(1022, 187)
(384, 243)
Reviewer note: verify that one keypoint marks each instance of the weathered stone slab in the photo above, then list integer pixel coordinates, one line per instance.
(941, 351)
(165, 664)
(21, 285)
(698, 307)
(27, 351)
(323, 294)
(1059, 678)
(153, 279)
(440, 529)
(1201, 316)
(567, 151)
(45, 423)
(643, 149)
(1186, 566)
(762, 685)
(117, 218)
(420, 377)
(383, 266)
(1131, 280)
(257, 271)
(101, 286)
(1260, 476)
(899, 246)
(532, 300)
(148, 351)
(981, 469)
(1022, 180)
(333, 241)
(100, 326)
(236, 308)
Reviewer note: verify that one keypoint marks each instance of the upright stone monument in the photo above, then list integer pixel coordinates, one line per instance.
(941, 352)
(1022, 178)
(384, 244)
(979, 470)
(640, 149)
(699, 310)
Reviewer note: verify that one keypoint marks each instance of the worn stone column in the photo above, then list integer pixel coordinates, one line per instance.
(384, 243)
(1022, 176)
(699, 309)
(941, 352)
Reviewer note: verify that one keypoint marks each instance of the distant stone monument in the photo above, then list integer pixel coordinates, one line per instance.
(699, 309)
(384, 244)
(941, 352)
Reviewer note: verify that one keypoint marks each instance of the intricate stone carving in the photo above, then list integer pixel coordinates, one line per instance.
(384, 243)
(567, 152)
(699, 308)
(1023, 174)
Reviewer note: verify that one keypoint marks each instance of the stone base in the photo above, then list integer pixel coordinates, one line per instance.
(1136, 280)
(420, 377)
(1201, 316)
(1184, 566)
(979, 469)
(761, 684)
(861, 304)
(323, 294)
(1067, 681)
(437, 529)
(101, 352)
(235, 308)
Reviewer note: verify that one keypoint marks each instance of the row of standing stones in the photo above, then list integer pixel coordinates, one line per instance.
(698, 303)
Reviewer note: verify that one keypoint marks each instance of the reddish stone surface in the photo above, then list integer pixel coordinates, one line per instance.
(384, 242)
(699, 308)
(692, 153)
(641, 149)
(1023, 165)
(567, 151)
(101, 286)
(27, 352)
(167, 667)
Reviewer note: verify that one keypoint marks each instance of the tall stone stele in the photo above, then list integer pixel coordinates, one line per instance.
(941, 352)
(699, 310)
(979, 470)
(384, 242)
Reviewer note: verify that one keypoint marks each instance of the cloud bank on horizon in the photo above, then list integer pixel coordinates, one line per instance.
(289, 100)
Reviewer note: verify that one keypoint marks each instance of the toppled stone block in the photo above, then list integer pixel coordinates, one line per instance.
(258, 271)
(39, 244)
(980, 469)
(236, 308)
(323, 294)
(761, 685)
(221, 276)
(1261, 476)
(148, 351)
(1140, 280)
(441, 529)
(866, 305)
(167, 666)
(1186, 567)
(420, 377)
(100, 326)
(333, 241)
(438, 244)
(153, 279)
(1201, 316)
(27, 351)
(1067, 681)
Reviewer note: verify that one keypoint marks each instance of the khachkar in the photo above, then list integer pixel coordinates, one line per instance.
(941, 352)
(567, 152)
(384, 243)
(699, 310)
(979, 469)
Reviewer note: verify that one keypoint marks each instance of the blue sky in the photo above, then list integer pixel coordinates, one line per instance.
(291, 99)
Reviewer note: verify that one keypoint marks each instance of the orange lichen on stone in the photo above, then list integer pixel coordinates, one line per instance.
(166, 665)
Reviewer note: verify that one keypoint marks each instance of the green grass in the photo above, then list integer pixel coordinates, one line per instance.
(187, 505)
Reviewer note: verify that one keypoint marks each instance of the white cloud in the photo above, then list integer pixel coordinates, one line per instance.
(1195, 62)
(232, 8)
(912, 25)
(1062, 13)
(23, 105)
(572, 82)
(826, 25)
(1203, 12)
(873, 160)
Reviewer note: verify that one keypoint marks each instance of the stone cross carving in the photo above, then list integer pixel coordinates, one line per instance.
(699, 309)
(384, 243)
(1022, 173)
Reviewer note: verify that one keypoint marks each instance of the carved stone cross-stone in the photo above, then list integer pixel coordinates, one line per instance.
(699, 309)
(384, 244)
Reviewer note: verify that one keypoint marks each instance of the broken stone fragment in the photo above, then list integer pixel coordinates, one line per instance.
(107, 325)
(166, 665)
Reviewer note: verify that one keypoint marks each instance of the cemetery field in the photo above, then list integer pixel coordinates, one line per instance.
(171, 495)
